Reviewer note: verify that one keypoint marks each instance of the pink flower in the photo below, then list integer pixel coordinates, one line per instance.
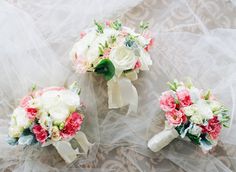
(42, 91)
(137, 65)
(72, 125)
(24, 103)
(80, 64)
(150, 44)
(167, 101)
(40, 133)
(108, 23)
(176, 117)
(82, 34)
(213, 128)
(31, 113)
(184, 98)
(106, 52)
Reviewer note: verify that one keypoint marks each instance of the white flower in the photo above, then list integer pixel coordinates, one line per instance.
(71, 99)
(59, 113)
(197, 119)
(190, 110)
(215, 106)
(195, 94)
(204, 109)
(123, 58)
(195, 130)
(145, 59)
(15, 131)
(20, 118)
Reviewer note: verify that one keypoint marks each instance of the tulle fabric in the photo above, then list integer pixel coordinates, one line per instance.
(44, 32)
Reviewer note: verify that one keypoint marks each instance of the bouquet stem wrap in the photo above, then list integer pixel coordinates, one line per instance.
(121, 92)
(64, 148)
(162, 139)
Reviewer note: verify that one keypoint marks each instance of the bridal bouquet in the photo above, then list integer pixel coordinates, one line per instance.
(118, 53)
(191, 113)
(50, 116)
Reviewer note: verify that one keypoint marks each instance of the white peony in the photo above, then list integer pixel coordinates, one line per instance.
(59, 113)
(123, 58)
(195, 94)
(71, 99)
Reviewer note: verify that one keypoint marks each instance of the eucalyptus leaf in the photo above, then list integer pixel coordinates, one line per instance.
(12, 141)
(26, 140)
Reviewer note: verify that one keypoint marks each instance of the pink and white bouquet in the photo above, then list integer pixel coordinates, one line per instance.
(191, 113)
(49, 116)
(116, 52)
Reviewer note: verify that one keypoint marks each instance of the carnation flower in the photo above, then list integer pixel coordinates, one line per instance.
(40, 133)
(213, 128)
(72, 125)
(167, 101)
(31, 113)
(24, 103)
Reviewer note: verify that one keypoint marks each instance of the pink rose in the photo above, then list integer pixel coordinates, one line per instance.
(176, 117)
(40, 133)
(184, 98)
(137, 65)
(72, 125)
(31, 113)
(167, 101)
(213, 128)
(24, 103)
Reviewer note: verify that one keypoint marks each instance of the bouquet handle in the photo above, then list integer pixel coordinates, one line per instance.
(162, 139)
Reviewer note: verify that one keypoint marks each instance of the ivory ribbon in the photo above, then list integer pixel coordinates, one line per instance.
(162, 139)
(66, 151)
(121, 92)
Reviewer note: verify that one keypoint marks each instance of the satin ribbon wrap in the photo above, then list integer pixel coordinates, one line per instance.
(162, 139)
(64, 148)
(121, 92)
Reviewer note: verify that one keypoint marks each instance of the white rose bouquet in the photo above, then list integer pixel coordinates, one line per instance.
(191, 113)
(50, 116)
(118, 53)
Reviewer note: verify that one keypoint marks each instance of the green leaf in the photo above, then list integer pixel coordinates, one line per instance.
(116, 25)
(12, 141)
(193, 138)
(143, 25)
(100, 27)
(106, 68)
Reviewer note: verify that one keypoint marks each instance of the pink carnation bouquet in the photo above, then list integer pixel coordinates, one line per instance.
(190, 113)
(50, 116)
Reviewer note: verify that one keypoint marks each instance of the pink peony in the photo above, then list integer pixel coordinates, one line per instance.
(137, 65)
(184, 98)
(167, 101)
(213, 128)
(176, 117)
(72, 125)
(31, 113)
(40, 133)
(24, 103)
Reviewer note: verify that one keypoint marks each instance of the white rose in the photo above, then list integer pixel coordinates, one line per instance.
(59, 113)
(123, 58)
(20, 118)
(15, 131)
(71, 99)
